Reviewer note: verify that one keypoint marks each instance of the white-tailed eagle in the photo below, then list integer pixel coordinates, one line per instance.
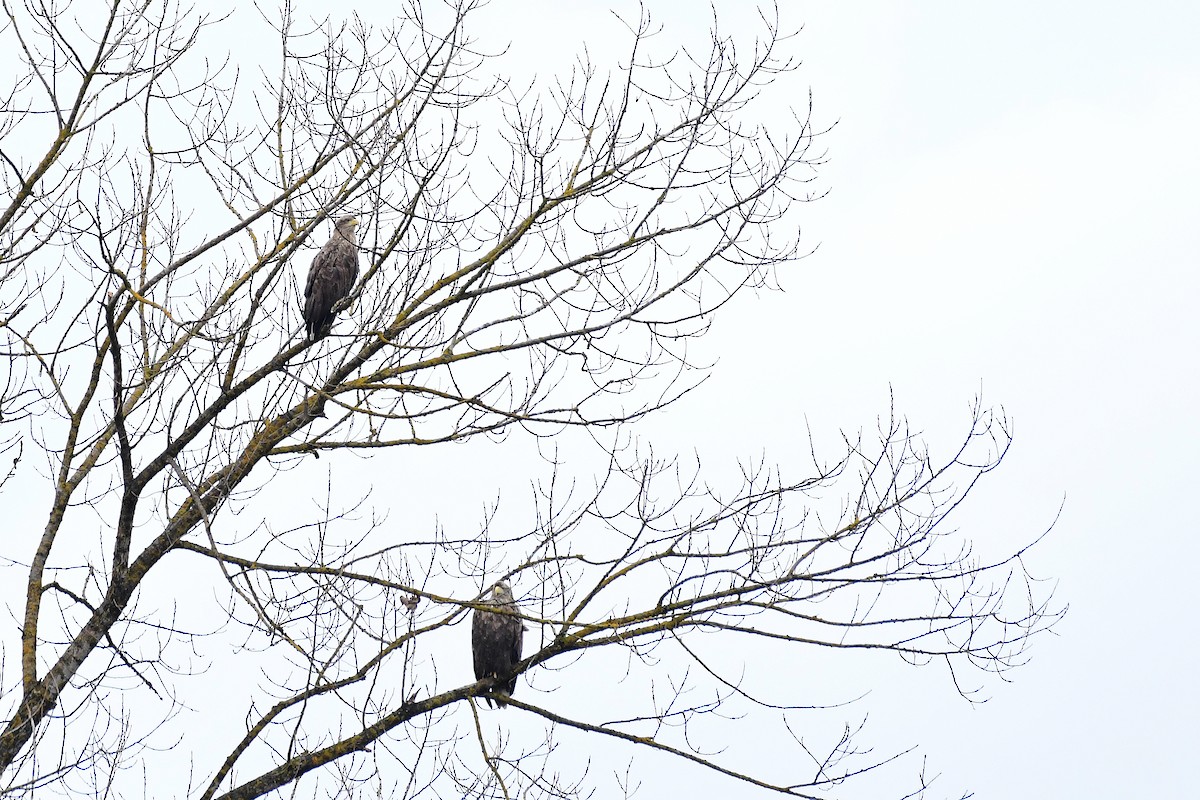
(496, 641)
(330, 278)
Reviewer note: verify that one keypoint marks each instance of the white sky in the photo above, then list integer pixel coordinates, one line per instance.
(1013, 209)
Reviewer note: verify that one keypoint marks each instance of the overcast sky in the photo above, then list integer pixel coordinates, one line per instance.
(1013, 210)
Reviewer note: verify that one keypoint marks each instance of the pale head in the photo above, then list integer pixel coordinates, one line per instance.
(502, 593)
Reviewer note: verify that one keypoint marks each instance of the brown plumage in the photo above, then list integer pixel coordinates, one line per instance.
(330, 278)
(496, 642)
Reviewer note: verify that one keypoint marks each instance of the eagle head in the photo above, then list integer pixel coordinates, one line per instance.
(502, 593)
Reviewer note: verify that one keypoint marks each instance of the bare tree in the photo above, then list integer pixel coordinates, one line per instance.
(536, 261)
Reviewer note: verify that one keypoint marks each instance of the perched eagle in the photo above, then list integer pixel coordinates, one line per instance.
(330, 278)
(496, 641)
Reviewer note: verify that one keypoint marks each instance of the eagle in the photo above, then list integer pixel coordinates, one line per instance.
(496, 641)
(330, 278)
